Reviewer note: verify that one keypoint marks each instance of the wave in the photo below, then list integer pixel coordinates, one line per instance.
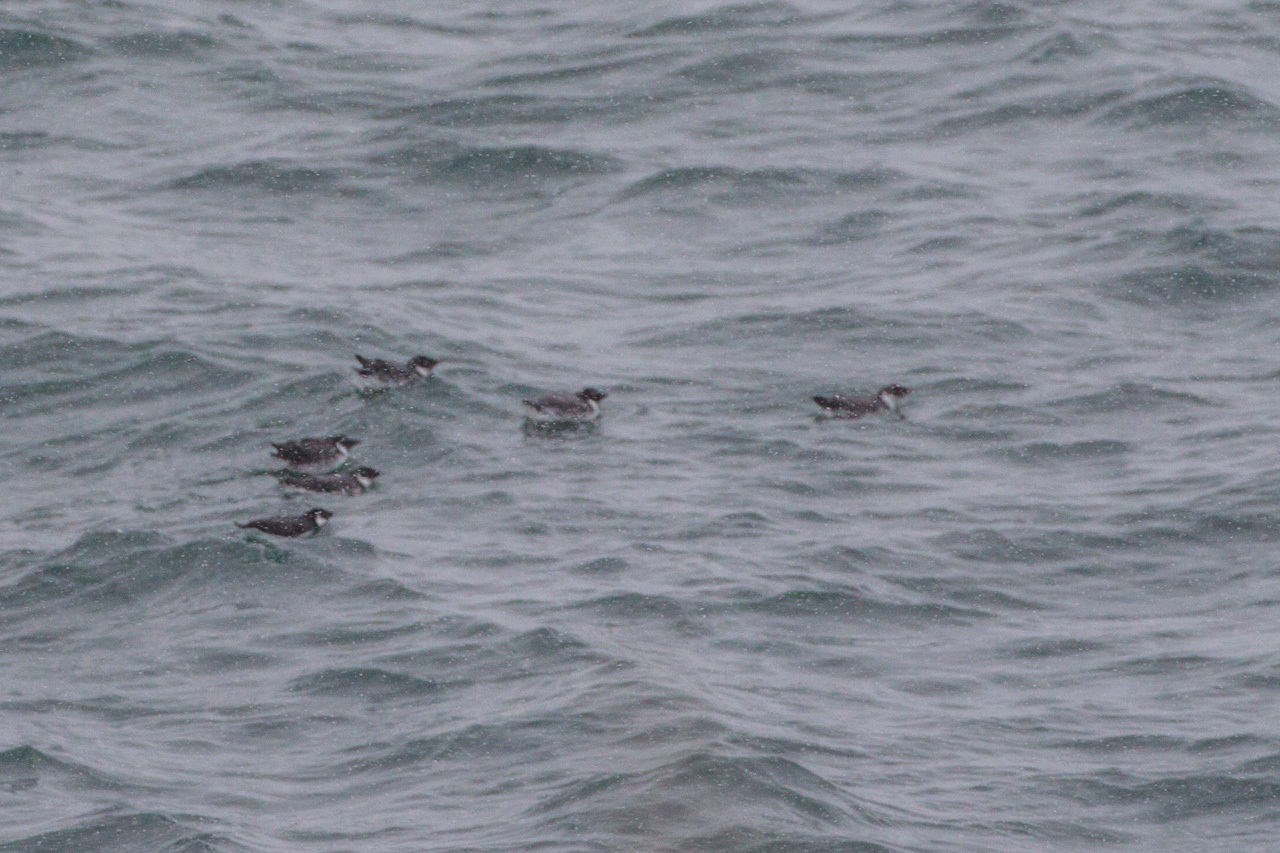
(25, 767)
(952, 24)
(401, 22)
(602, 566)
(1128, 397)
(519, 736)
(60, 351)
(734, 186)
(712, 798)
(665, 611)
(1204, 520)
(21, 49)
(134, 390)
(162, 45)
(763, 324)
(1179, 797)
(1217, 265)
(732, 18)
(477, 651)
(27, 140)
(117, 569)
(1189, 284)
(1212, 104)
(575, 68)
(1062, 46)
(1136, 202)
(497, 110)
(115, 832)
(501, 165)
(852, 327)
(366, 683)
(1203, 103)
(1058, 106)
(1044, 546)
(748, 840)
(856, 605)
(853, 228)
(1040, 452)
(278, 177)
(743, 71)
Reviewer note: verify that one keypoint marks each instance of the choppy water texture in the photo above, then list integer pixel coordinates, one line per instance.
(1042, 613)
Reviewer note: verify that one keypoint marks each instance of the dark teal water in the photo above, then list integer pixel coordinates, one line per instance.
(1041, 613)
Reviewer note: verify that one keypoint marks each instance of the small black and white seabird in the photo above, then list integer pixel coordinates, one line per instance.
(355, 482)
(307, 524)
(379, 371)
(315, 455)
(582, 407)
(885, 400)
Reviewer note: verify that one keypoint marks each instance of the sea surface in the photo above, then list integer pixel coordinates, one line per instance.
(1040, 613)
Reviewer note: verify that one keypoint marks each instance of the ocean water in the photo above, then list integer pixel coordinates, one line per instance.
(1040, 613)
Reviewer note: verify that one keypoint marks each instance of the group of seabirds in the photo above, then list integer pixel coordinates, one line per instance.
(318, 464)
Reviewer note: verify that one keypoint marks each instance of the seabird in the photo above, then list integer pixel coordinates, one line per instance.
(387, 373)
(885, 400)
(315, 455)
(355, 482)
(307, 524)
(567, 408)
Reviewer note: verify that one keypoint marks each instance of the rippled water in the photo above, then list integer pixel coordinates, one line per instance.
(1038, 614)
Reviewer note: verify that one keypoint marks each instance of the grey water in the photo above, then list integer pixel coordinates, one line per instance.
(1042, 612)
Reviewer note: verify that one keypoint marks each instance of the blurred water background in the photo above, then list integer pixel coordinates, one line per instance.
(1039, 614)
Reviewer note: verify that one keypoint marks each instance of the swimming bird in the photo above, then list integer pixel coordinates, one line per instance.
(315, 455)
(885, 400)
(566, 408)
(355, 482)
(385, 372)
(307, 524)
